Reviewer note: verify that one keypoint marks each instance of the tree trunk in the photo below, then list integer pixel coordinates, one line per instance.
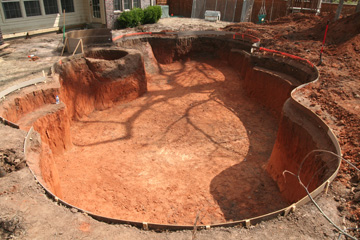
(358, 7)
(338, 11)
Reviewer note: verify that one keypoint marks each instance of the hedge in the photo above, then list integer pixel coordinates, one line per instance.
(137, 16)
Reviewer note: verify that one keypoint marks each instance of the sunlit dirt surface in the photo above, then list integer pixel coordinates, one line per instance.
(194, 144)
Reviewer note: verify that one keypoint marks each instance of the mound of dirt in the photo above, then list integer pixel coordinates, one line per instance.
(344, 29)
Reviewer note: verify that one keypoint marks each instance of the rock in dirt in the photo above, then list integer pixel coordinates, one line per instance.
(357, 197)
(2, 172)
(10, 161)
(10, 227)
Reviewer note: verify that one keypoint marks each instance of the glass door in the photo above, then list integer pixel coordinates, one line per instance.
(95, 10)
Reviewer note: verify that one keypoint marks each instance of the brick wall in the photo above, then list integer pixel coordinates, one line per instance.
(110, 17)
(1, 39)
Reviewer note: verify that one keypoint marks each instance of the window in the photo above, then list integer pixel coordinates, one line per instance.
(51, 6)
(67, 5)
(32, 8)
(136, 4)
(127, 4)
(11, 9)
(96, 8)
(117, 4)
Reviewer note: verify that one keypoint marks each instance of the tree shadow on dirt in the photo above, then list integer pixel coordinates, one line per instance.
(154, 97)
(243, 190)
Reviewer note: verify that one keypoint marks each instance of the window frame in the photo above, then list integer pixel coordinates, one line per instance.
(4, 13)
(29, 13)
(129, 2)
(119, 5)
(24, 16)
(73, 6)
(57, 6)
(138, 2)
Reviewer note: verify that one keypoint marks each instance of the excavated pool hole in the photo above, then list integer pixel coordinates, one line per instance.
(184, 136)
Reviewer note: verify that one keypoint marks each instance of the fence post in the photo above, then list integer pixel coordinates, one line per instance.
(234, 11)
(193, 9)
(225, 10)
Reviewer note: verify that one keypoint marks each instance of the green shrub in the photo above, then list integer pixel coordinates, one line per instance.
(126, 19)
(132, 18)
(158, 12)
(152, 14)
(137, 16)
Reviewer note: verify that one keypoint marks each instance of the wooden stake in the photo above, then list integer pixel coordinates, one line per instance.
(64, 27)
(62, 52)
(82, 46)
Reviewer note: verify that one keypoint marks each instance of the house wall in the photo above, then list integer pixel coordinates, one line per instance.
(24, 24)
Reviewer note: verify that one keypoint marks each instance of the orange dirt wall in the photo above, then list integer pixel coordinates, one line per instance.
(49, 171)
(94, 84)
(297, 136)
(54, 129)
(268, 88)
(240, 60)
(14, 109)
(264, 86)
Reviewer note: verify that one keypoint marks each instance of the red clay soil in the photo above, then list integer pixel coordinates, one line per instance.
(193, 144)
(336, 96)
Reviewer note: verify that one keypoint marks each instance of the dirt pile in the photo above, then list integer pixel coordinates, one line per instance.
(9, 161)
(344, 30)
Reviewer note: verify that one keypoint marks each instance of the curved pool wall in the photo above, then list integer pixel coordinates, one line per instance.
(273, 79)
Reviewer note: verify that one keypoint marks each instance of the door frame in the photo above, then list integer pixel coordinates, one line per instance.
(102, 19)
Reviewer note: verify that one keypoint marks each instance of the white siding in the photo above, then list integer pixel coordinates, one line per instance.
(24, 24)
